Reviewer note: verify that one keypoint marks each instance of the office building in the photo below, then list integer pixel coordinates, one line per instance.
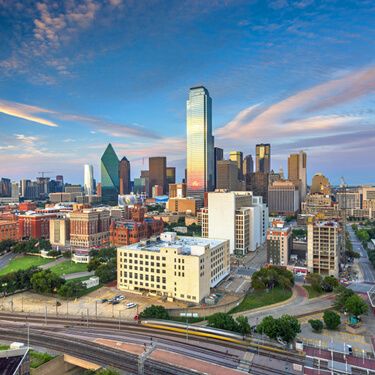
(236, 216)
(141, 185)
(110, 184)
(368, 197)
(59, 231)
(157, 191)
(171, 175)
(263, 158)
(320, 185)
(218, 155)
(89, 228)
(88, 179)
(323, 247)
(181, 268)
(297, 172)
(177, 190)
(124, 176)
(237, 157)
(323, 205)
(200, 142)
(247, 165)
(349, 199)
(5, 187)
(182, 205)
(157, 173)
(227, 175)
(258, 182)
(9, 230)
(279, 244)
(15, 190)
(34, 225)
(283, 198)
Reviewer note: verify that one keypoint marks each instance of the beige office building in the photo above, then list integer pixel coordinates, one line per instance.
(182, 268)
(368, 197)
(182, 205)
(320, 184)
(59, 231)
(297, 172)
(227, 175)
(279, 244)
(323, 247)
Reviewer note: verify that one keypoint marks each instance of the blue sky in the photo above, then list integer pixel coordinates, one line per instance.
(75, 75)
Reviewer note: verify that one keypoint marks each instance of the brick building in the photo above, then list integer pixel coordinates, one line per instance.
(8, 230)
(34, 225)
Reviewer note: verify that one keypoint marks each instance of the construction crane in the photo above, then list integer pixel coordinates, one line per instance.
(44, 172)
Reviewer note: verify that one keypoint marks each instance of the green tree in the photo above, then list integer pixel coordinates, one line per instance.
(6, 245)
(288, 328)
(71, 289)
(243, 325)
(94, 264)
(342, 294)
(316, 325)
(356, 306)
(154, 312)
(315, 280)
(268, 326)
(106, 272)
(329, 283)
(46, 282)
(223, 321)
(331, 319)
(363, 235)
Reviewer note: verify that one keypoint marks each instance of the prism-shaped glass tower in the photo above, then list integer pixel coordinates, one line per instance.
(110, 176)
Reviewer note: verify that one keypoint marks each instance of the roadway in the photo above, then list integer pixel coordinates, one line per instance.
(367, 270)
(5, 259)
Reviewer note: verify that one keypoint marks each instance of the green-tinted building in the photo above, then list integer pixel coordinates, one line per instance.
(110, 176)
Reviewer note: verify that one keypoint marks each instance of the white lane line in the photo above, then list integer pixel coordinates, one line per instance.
(243, 282)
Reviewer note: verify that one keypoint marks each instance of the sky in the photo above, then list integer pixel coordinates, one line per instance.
(78, 74)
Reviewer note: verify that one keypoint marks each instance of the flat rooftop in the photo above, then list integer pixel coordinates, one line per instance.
(181, 242)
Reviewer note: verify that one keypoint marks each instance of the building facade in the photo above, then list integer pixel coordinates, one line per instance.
(59, 231)
(237, 157)
(124, 176)
(263, 158)
(279, 245)
(157, 173)
(297, 172)
(247, 165)
(34, 225)
(182, 205)
(320, 185)
(200, 142)
(88, 178)
(283, 198)
(227, 175)
(182, 268)
(110, 176)
(9, 230)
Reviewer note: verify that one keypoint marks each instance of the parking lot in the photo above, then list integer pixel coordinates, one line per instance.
(89, 306)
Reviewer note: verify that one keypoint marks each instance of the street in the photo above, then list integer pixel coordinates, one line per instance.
(5, 259)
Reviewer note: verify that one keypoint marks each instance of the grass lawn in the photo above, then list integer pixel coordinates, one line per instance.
(37, 359)
(68, 267)
(4, 347)
(22, 263)
(262, 298)
(312, 292)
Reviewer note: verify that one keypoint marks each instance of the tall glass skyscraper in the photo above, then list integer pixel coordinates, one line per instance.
(110, 176)
(200, 142)
(88, 179)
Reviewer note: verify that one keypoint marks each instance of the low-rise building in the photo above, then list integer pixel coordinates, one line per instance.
(283, 197)
(59, 231)
(9, 230)
(35, 225)
(182, 205)
(182, 268)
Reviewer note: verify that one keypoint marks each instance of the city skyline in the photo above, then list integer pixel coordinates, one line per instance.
(289, 80)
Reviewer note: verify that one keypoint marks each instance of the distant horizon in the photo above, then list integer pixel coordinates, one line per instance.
(78, 75)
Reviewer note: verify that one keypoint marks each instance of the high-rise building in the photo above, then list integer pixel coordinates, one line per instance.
(320, 184)
(258, 182)
(263, 158)
(237, 157)
(88, 179)
(283, 198)
(157, 172)
(237, 216)
(227, 175)
(297, 172)
(177, 190)
(247, 165)
(124, 176)
(5, 187)
(200, 142)
(15, 190)
(110, 176)
(323, 247)
(218, 155)
(171, 175)
(279, 244)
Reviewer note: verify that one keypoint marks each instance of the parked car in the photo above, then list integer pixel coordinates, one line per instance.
(119, 298)
(103, 300)
(115, 302)
(130, 305)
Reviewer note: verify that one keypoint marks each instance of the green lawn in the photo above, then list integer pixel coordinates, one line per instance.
(263, 298)
(68, 267)
(37, 359)
(22, 263)
(4, 347)
(312, 292)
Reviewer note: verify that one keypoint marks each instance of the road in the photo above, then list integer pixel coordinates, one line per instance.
(298, 305)
(5, 259)
(368, 271)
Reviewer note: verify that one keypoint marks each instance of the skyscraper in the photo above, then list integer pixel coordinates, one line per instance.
(124, 176)
(237, 157)
(88, 179)
(247, 165)
(297, 172)
(171, 175)
(110, 176)
(157, 172)
(263, 158)
(200, 142)
(218, 155)
(227, 175)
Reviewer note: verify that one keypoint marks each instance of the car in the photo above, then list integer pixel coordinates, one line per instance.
(115, 302)
(119, 298)
(103, 300)
(130, 305)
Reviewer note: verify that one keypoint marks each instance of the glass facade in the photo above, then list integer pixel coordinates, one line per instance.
(110, 176)
(200, 142)
(263, 158)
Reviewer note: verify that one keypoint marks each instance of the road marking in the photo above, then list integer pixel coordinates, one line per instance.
(243, 282)
(227, 286)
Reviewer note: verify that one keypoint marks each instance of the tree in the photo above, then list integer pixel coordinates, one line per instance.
(223, 321)
(342, 294)
(356, 306)
(316, 325)
(6, 245)
(315, 280)
(329, 283)
(46, 282)
(71, 289)
(155, 312)
(106, 272)
(93, 264)
(286, 327)
(272, 277)
(268, 326)
(331, 319)
(243, 325)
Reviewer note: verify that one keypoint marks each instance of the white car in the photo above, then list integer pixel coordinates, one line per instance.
(130, 305)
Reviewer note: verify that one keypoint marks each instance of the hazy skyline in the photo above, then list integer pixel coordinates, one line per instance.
(76, 75)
